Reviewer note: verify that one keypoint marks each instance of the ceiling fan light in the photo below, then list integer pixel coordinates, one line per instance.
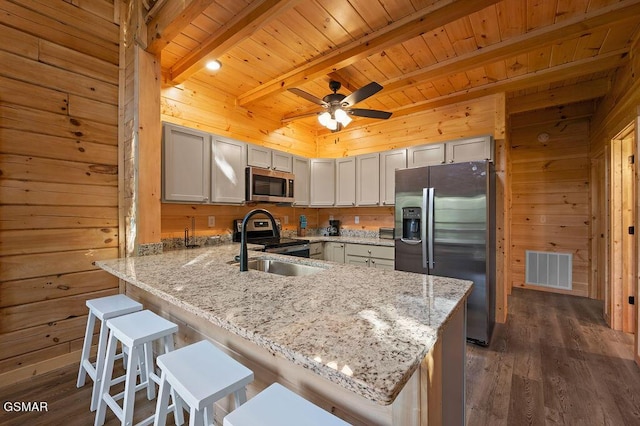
(332, 124)
(342, 117)
(324, 119)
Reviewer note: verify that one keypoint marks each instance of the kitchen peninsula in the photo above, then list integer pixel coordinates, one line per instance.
(374, 347)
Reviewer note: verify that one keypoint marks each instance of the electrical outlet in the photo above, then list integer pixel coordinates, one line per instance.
(357, 219)
(330, 217)
(286, 220)
(212, 221)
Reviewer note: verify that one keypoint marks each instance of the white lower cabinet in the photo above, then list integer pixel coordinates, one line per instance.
(370, 255)
(334, 252)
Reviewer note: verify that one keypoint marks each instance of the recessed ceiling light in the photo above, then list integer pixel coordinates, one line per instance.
(213, 65)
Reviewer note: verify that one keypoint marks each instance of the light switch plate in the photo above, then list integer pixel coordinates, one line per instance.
(286, 219)
(212, 221)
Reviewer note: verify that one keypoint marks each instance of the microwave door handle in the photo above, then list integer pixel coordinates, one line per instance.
(423, 227)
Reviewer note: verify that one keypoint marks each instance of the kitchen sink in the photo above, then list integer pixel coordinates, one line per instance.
(280, 267)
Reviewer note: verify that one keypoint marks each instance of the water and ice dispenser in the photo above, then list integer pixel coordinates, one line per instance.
(411, 223)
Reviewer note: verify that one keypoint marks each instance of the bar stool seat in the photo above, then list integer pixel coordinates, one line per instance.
(278, 406)
(136, 332)
(103, 309)
(200, 374)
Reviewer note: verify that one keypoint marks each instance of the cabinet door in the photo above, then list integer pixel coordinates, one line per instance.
(368, 180)
(345, 181)
(281, 161)
(258, 156)
(389, 162)
(425, 155)
(473, 149)
(185, 158)
(322, 181)
(334, 252)
(301, 188)
(228, 170)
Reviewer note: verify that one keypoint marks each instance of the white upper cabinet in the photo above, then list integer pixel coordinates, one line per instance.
(301, 185)
(281, 161)
(258, 156)
(425, 155)
(185, 158)
(472, 149)
(322, 181)
(368, 180)
(390, 161)
(267, 158)
(345, 181)
(228, 170)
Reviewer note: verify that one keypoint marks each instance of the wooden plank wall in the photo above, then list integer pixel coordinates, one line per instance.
(550, 189)
(58, 161)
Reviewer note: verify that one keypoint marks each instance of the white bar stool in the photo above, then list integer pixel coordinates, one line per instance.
(200, 374)
(136, 332)
(103, 308)
(278, 406)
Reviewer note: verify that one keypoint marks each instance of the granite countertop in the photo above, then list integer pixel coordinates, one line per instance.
(349, 239)
(364, 329)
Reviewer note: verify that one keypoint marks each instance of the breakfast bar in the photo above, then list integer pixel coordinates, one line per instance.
(374, 347)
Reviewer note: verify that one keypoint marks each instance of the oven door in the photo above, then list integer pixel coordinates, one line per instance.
(301, 250)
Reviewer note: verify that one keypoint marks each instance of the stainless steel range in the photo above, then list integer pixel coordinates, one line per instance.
(260, 231)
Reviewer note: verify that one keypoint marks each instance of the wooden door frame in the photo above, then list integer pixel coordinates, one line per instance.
(623, 247)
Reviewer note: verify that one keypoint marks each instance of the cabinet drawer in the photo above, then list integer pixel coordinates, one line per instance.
(382, 252)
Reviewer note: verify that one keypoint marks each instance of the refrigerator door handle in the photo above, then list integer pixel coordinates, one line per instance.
(423, 226)
(430, 210)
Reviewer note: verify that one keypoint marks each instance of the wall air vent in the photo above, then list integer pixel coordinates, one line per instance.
(549, 269)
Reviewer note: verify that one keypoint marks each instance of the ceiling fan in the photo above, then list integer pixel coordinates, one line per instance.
(339, 107)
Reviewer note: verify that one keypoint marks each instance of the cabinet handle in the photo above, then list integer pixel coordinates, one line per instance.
(353, 204)
(451, 161)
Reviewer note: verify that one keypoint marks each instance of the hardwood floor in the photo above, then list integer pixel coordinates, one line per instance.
(555, 362)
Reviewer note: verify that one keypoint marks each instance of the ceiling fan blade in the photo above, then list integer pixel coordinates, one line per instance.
(362, 93)
(371, 113)
(307, 96)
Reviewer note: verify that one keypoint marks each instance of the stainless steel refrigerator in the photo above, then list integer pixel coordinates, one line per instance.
(445, 225)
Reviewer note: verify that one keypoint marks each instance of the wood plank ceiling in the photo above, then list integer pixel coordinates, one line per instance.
(425, 53)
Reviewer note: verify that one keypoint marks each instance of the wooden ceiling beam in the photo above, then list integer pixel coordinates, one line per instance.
(570, 70)
(170, 20)
(617, 13)
(427, 19)
(560, 96)
(239, 28)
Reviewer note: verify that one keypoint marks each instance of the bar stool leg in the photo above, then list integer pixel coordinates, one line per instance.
(130, 384)
(106, 379)
(209, 415)
(240, 397)
(195, 417)
(86, 350)
(162, 404)
(148, 354)
(102, 343)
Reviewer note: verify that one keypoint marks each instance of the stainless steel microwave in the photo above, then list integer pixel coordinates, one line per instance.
(267, 185)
